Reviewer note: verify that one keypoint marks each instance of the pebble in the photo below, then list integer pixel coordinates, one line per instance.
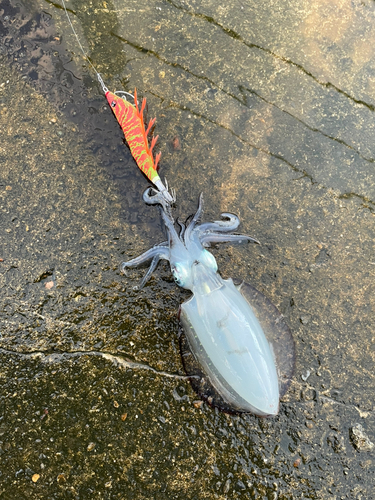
(305, 377)
(90, 446)
(226, 486)
(61, 479)
(360, 439)
(35, 478)
(176, 143)
(305, 320)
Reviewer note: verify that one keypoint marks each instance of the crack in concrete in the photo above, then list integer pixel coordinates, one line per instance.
(56, 357)
(232, 34)
(265, 151)
(58, 6)
(366, 201)
(313, 129)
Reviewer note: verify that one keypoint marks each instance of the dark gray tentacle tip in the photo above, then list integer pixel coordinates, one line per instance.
(250, 239)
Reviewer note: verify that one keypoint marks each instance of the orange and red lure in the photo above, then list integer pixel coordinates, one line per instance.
(131, 121)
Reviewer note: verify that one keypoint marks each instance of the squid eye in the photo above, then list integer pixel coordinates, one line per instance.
(180, 274)
(177, 277)
(113, 104)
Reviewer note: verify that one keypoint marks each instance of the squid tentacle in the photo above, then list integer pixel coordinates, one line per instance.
(161, 251)
(209, 238)
(194, 220)
(230, 223)
(182, 229)
(154, 197)
(151, 269)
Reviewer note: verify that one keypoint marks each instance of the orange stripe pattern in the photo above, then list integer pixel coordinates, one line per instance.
(131, 121)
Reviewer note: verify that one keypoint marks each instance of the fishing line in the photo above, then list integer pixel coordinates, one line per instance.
(130, 118)
(100, 79)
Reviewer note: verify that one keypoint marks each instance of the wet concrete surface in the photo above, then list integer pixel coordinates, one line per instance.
(267, 110)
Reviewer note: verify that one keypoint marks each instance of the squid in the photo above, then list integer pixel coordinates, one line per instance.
(232, 333)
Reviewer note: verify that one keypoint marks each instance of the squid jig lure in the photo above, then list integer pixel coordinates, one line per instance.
(130, 119)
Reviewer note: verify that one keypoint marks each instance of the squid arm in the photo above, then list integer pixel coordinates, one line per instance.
(209, 238)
